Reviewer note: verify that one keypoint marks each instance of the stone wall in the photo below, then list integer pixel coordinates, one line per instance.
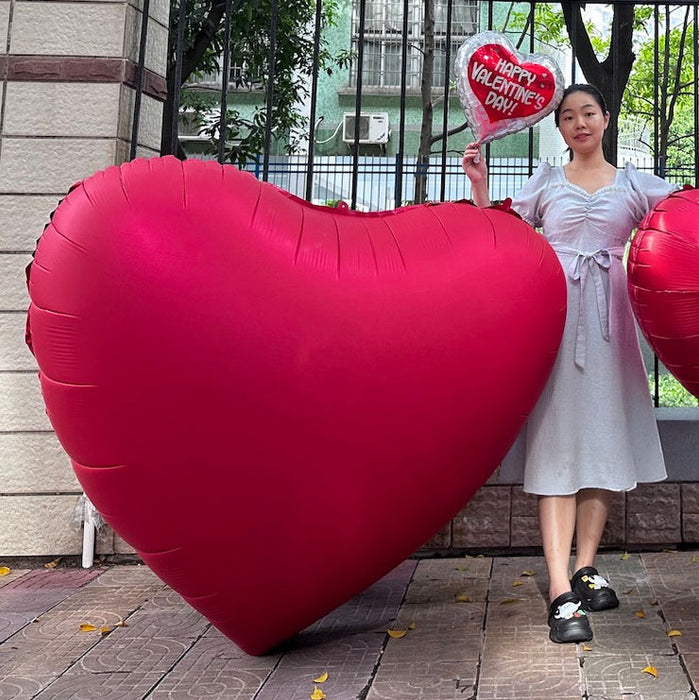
(665, 514)
(68, 71)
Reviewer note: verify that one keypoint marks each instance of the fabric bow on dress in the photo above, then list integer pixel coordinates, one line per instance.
(594, 265)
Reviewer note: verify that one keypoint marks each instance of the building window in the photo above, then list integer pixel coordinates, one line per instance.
(239, 78)
(383, 39)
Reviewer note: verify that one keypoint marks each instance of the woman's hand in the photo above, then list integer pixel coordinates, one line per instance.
(473, 164)
(477, 172)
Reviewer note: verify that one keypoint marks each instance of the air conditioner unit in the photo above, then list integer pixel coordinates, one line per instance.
(373, 128)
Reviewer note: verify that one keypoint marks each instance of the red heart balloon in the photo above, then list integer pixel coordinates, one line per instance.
(663, 279)
(501, 90)
(276, 403)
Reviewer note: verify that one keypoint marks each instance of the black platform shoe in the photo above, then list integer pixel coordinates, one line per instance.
(593, 590)
(568, 621)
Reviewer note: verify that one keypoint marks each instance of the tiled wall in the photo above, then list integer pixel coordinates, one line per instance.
(67, 72)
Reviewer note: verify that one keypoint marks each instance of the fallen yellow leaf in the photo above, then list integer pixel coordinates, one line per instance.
(412, 626)
(462, 568)
(321, 678)
(463, 598)
(640, 613)
(651, 671)
(4, 570)
(87, 628)
(625, 556)
(53, 564)
(670, 551)
(105, 630)
(517, 582)
(586, 648)
(121, 623)
(397, 634)
(507, 601)
(317, 694)
(674, 633)
(693, 559)
(528, 572)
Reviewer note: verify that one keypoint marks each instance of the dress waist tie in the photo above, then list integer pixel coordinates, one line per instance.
(583, 266)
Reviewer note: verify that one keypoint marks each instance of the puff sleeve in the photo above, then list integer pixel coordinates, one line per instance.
(648, 190)
(527, 202)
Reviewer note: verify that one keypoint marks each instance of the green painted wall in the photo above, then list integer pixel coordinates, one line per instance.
(336, 98)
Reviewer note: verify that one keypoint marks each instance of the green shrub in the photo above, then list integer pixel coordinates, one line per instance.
(671, 392)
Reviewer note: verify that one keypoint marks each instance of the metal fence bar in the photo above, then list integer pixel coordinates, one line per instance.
(659, 170)
(224, 82)
(445, 105)
(314, 98)
(400, 154)
(358, 103)
(179, 52)
(139, 79)
(270, 88)
(530, 139)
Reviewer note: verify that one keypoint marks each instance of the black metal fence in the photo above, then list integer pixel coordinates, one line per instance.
(384, 38)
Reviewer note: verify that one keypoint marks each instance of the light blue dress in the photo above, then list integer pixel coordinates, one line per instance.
(594, 425)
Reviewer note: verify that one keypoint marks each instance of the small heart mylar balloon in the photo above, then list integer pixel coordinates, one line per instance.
(663, 279)
(275, 403)
(501, 90)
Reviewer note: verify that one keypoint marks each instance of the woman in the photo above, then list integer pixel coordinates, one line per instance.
(593, 430)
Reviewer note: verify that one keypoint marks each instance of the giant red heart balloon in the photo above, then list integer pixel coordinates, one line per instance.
(275, 403)
(663, 278)
(501, 90)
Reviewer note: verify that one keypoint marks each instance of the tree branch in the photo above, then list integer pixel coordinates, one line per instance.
(678, 68)
(530, 21)
(451, 132)
(582, 46)
(202, 41)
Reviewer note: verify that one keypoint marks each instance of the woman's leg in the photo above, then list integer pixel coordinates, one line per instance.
(592, 511)
(567, 620)
(592, 589)
(557, 524)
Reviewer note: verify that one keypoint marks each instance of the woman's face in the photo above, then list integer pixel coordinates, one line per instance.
(582, 122)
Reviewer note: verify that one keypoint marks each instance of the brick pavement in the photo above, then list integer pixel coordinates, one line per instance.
(476, 630)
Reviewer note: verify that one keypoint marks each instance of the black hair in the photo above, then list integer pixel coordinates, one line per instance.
(581, 87)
